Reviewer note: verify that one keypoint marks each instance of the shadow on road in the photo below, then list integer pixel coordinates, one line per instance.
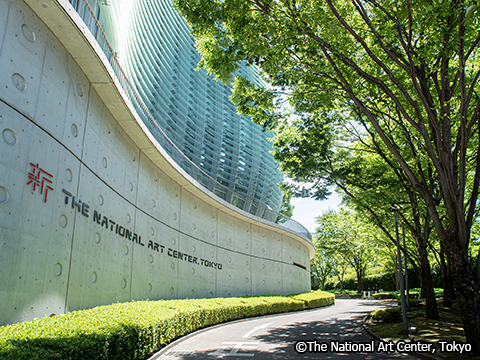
(279, 342)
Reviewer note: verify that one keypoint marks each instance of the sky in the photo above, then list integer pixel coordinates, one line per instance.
(306, 210)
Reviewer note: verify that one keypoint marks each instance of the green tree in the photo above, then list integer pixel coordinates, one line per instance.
(369, 184)
(408, 71)
(343, 237)
(321, 267)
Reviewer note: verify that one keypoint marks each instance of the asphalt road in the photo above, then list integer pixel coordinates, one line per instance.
(276, 337)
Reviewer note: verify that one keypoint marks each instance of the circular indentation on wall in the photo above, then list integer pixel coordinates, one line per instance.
(68, 175)
(263, 266)
(19, 82)
(247, 263)
(229, 294)
(290, 257)
(263, 250)
(278, 283)
(174, 241)
(290, 271)
(247, 246)
(9, 136)
(126, 250)
(28, 33)
(150, 259)
(172, 290)
(194, 206)
(74, 130)
(194, 248)
(104, 162)
(229, 259)
(63, 221)
(193, 270)
(194, 226)
(109, 129)
(131, 186)
(124, 283)
(176, 194)
(94, 277)
(154, 203)
(172, 265)
(229, 277)
(100, 200)
(247, 280)
(211, 274)
(133, 157)
(152, 231)
(193, 292)
(150, 287)
(57, 269)
(230, 240)
(45, 5)
(213, 234)
(80, 90)
(3, 195)
(278, 268)
(97, 238)
(212, 254)
(128, 218)
(263, 282)
(278, 253)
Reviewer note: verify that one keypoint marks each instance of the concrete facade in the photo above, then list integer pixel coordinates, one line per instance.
(92, 210)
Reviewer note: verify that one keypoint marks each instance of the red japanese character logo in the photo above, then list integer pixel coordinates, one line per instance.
(39, 177)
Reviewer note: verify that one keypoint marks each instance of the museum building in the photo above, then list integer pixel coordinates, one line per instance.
(126, 174)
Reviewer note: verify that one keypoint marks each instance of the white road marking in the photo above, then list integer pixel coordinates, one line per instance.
(178, 353)
(255, 329)
(220, 352)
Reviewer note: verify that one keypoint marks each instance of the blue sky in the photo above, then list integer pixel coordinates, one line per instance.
(306, 210)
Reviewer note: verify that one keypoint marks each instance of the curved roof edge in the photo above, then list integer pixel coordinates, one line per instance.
(67, 25)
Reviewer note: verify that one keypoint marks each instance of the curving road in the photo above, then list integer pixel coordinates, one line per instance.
(276, 337)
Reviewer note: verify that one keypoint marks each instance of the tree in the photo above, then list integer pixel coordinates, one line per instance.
(343, 237)
(370, 183)
(321, 266)
(407, 71)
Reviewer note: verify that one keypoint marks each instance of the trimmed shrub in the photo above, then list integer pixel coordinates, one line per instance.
(134, 330)
(315, 299)
(387, 315)
(384, 295)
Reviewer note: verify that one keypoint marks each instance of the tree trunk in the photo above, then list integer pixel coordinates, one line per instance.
(448, 287)
(427, 285)
(359, 280)
(466, 290)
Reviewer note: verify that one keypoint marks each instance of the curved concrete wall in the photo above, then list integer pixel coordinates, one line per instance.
(91, 212)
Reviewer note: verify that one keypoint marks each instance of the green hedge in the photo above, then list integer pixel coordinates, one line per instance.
(135, 330)
(384, 295)
(388, 315)
(315, 299)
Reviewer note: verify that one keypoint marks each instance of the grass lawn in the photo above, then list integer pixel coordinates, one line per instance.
(448, 328)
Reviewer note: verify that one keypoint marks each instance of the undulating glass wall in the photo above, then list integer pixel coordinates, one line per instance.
(154, 46)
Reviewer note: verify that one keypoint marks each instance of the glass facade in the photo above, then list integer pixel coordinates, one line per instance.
(188, 110)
